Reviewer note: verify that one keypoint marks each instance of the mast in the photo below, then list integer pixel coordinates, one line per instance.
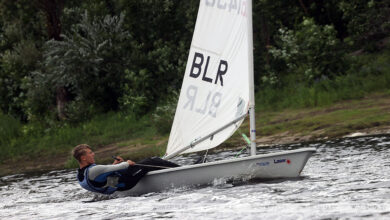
(251, 81)
(223, 34)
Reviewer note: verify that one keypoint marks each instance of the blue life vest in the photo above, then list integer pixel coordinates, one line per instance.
(86, 184)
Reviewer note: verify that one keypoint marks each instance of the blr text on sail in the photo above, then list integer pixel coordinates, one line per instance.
(210, 103)
(197, 64)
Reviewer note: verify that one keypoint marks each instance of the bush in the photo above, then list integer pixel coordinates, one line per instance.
(312, 52)
(367, 22)
(89, 63)
(163, 115)
(14, 67)
(10, 128)
(369, 73)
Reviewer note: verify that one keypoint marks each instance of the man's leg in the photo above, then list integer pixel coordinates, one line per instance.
(131, 177)
(156, 161)
(133, 174)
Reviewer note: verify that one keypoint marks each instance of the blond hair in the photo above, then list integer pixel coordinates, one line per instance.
(79, 151)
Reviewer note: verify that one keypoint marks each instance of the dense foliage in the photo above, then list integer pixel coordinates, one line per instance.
(77, 59)
(105, 71)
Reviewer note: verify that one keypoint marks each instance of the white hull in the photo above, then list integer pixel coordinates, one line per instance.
(287, 164)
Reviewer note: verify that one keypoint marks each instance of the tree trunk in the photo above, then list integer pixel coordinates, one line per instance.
(52, 9)
(304, 7)
(61, 100)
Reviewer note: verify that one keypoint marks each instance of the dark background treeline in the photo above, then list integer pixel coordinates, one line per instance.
(66, 61)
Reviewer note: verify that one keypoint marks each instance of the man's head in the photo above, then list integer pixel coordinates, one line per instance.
(84, 154)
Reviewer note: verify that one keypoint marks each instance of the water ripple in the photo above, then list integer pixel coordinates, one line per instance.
(345, 179)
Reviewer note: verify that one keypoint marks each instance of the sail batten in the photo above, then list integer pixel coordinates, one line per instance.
(215, 87)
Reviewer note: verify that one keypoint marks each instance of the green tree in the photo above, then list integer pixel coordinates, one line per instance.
(312, 52)
(367, 22)
(89, 62)
(162, 31)
(20, 40)
(268, 17)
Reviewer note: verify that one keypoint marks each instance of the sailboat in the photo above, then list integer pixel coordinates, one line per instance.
(216, 96)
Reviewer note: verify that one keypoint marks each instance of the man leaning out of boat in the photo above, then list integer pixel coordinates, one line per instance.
(121, 175)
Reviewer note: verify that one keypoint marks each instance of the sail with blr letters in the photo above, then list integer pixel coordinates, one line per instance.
(215, 87)
(216, 95)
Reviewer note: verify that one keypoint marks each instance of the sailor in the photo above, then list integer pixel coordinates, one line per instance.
(121, 175)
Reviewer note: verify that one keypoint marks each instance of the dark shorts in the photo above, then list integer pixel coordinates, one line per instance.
(133, 174)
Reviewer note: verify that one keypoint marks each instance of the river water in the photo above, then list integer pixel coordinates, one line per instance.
(345, 179)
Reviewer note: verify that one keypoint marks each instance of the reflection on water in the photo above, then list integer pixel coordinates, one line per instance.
(346, 178)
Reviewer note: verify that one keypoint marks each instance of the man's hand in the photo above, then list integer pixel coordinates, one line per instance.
(131, 163)
(118, 159)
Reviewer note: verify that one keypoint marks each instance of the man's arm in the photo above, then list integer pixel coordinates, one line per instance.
(105, 170)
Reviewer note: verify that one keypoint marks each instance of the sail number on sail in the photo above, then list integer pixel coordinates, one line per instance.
(197, 66)
(238, 6)
(213, 100)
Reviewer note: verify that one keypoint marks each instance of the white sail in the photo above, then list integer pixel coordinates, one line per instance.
(215, 87)
(216, 94)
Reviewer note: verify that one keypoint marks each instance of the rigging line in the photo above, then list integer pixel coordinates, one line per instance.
(143, 165)
(152, 166)
(247, 142)
(205, 156)
(240, 152)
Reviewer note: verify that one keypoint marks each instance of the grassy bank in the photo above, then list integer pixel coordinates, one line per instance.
(32, 142)
(115, 134)
(358, 101)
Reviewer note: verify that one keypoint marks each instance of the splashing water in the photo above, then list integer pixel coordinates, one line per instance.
(346, 178)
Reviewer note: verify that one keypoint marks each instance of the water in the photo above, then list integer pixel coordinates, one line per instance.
(345, 179)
